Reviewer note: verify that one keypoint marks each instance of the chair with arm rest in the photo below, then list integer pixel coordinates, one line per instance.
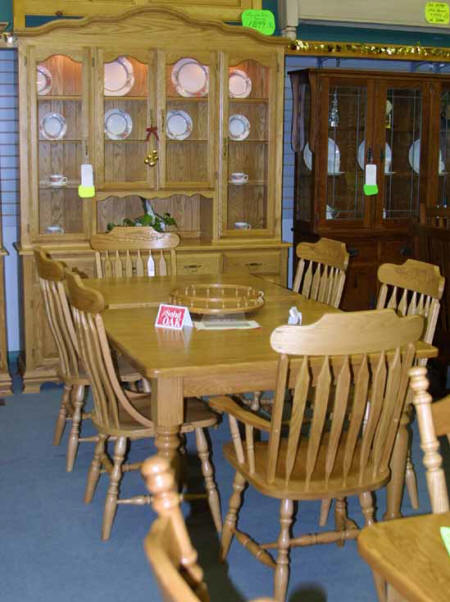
(121, 414)
(167, 545)
(407, 556)
(135, 251)
(70, 370)
(321, 270)
(345, 359)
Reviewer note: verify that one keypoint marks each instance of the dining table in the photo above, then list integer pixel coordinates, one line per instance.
(201, 363)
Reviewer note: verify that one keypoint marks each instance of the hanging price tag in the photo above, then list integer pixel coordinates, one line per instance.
(370, 181)
(437, 13)
(261, 20)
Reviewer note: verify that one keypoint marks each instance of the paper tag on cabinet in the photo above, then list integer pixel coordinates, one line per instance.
(174, 317)
(370, 179)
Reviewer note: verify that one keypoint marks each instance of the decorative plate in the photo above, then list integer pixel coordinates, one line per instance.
(178, 125)
(118, 124)
(213, 299)
(387, 157)
(414, 157)
(43, 80)
(53, 126)
(238, 127)
(190, 77)
(239, 84)
(334, 157)
(118, 77)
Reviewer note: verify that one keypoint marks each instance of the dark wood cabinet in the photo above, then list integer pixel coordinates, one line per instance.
(345, 121)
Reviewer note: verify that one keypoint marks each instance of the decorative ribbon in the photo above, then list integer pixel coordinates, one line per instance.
(152, 130)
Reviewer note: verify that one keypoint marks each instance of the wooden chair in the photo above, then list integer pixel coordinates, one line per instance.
(407, 556)
(413, 288)
(345, 361)
(167, 545)
(321, 270)
(71, 372)
(135, 251)
(121, 414)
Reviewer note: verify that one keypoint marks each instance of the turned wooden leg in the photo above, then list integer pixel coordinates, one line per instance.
(62, 415)
(324, 511)
(366, 501)
(340, 517)
(94, 469)
(167, 442)
(282, 568)
(411, 482)
(208, 475)
(77, 397)
(398, 466)
(231, 517)
(380, 586)
(113, 489)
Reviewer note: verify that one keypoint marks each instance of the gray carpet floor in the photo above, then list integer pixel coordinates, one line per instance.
(50, 547)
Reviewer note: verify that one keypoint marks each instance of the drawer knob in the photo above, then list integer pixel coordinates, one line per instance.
(192, 266)
(352, 251)
(254, 264)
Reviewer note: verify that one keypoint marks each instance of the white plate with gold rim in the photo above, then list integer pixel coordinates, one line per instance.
(118, 77)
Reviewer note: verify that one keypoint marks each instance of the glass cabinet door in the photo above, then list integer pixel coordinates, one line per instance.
(247, 142)
(443, 194)
(61, 143)
(399, 117)
(128, 141)
(187, 121)
(342, 153)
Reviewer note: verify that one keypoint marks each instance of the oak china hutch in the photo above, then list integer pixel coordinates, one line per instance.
(182, 112)
(346, 120)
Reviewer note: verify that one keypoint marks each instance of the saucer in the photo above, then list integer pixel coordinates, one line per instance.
(57, 184)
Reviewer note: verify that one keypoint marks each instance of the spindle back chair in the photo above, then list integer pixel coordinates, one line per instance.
(346, 359)
(321, 269)
(121, 414)
(134, 251)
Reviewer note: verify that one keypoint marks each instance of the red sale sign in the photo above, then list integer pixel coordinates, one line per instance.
(173, 317)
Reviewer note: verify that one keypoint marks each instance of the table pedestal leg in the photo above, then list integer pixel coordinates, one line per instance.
(398, 468)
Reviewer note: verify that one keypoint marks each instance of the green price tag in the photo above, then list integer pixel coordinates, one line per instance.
(261, 20)
(370, 189)
(437, 13)
(445, 534)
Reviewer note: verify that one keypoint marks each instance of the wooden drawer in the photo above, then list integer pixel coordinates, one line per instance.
(257, 262)
(199, 263)
(362, 251)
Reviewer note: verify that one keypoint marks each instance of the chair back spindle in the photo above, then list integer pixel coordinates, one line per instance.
(321, 270)
(132, 251)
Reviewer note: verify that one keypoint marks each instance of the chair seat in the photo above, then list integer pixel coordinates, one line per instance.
(298, 489)
(197, 415)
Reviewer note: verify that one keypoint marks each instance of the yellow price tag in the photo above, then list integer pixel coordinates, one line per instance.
(437, 13)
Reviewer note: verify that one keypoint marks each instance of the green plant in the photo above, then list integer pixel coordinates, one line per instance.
(150, 218)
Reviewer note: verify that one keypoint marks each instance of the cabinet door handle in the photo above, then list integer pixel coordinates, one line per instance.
(406, 251)
(192, 266)
(353, 252)
(369, 155)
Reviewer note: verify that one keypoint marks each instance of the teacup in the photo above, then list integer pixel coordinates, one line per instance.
(239, 177)
(57, 179)
(242, 226)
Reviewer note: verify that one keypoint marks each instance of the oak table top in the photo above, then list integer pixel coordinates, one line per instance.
(410, 555)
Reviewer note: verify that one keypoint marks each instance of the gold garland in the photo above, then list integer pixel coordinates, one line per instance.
(361, 49)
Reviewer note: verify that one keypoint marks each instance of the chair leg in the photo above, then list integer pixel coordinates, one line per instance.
(113, 489)
(282, 568)
(62, 415)
(77, 396)
(324, 511)
(340, 517)
(208, 475)
(94, 469)
(411, 482)
(231, 517)
(366, 501)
